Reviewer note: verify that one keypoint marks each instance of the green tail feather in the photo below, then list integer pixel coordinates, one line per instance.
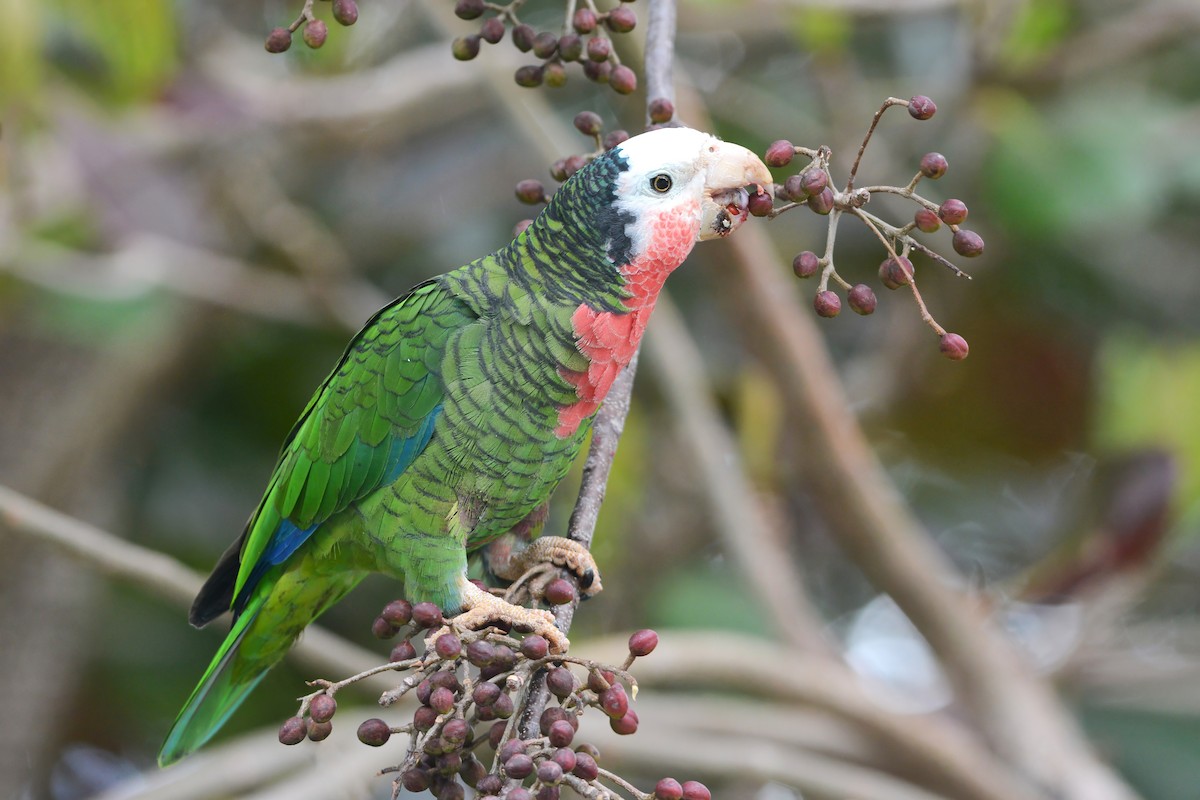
(226, 683)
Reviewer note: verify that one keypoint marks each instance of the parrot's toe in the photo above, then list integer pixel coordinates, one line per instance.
(481, 609)
(568, 554)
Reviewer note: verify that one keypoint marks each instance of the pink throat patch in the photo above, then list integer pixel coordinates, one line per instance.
(609, 339)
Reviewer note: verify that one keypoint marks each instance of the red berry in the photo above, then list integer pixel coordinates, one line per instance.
(397, 613)
(585, 766)
(447, 646)
(455, 731)
(926, 221)
(485, 694)
(424, 718)
(643, 642)
(621, 19)
(827, 304)
(780, 153)
(614, 138)
(549, 772)
(599, 680)
(492, 30)
(921, 107)
(315, 32)
(806, 264)
(519, 766)
(761, 204)
(322, 707)
(862, 299)
(599, 48)
(695, 790)
(822, 203)
(292, 731)
(813, 181)
(793, 188)
(441, 700)
(952, 212)
(668, 789)
(345, 11)
(510, 749)
(374, 732)
(560, 682)
(934, 165)
(896, 272)
(623, 80)
(614, 702)
(954, 347)
(584, 20)
(565, 758)
(559, 591)
(561, 733)
(319, 731)
(278, 40)
(661, 110)
(967, 243)
(626, 725)
(534, 646)
(426, 615)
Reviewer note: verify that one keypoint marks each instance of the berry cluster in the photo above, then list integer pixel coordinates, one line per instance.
(470, 686)
(584, 40)
(813, 187)
(345, 12)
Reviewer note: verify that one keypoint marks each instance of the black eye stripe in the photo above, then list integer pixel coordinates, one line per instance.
(661, 183)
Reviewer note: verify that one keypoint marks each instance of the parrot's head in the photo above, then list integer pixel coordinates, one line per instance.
(689, 177)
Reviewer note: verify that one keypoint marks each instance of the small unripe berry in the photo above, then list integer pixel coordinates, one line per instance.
(626, 725)
(813, 181)
(523, 36)
(588, 123)
(441, 700)
(415, 780)
(292, 731)
(614, 702)
(549, 772)
(896, 272)
(529, 76)
(643, 642)
(695, 790)
(315, 32)
(614, 138)
(822, 203)
(661, 110)
(561, 733)
(806, 264)
(827, 304)
(565, 757)
(554, 74)
(519, 766)
(584, 20)
(953, 212)
(319, 731)
(862, 300)
(492, 30)
(559, 591)
(545, 44)
(570, 47)
(560, 682)
(926, 221)
(426, 615)
(465, 48)
(668, 789)
(599, 48)
(345, 11)
(531, 191)
(503, 707)
(953, 347)
(278, 40)
(623, 80)
(468, 9)
(780, 153)
(934, 165)
(967, 243)
(921, 107)
(322, 707)
(760, 205)
(447, 646)
(585, 766)
(374, 732)
(621, 19)
(534, 646)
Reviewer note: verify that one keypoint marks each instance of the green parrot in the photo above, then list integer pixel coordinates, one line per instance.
(457, 410)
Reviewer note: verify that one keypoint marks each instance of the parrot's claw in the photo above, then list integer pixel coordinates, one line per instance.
(561, 552)
(481, 608)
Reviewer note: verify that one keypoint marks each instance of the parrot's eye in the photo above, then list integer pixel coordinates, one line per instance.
(661, 183)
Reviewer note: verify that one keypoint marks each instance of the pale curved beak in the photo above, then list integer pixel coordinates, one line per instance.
(731, 168)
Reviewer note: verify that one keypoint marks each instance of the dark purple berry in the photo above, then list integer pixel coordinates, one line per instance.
(492, 30)
(374, 732)
(934, 165)
(547, 793)
(480, 653)
(643, 642)
(565, 757)
(599, 48)
(589, 123)
(519, 793)
(952, 212)
(529, 76)
(534, 646)
(668, 789)
(424, 689)
(614, 138)
(806, 264)
(397, 613)
(695, 790)
(321, 708)
(661, 110)
(967, 243)
(921, 107)
(451, 790)
(441, 700)
(584, 20)
(292, 731)
(415, 780)
(424, 718)
(862, 300)
(585, 766)
(490, 784)
(600, 680)
(614, 702)
(761, 204)
(560, 682)
(523, 36)
(510, 749)
(503, 707)
(485, 694)
(464, 48)
(623, 80)
(504, 657)
(926, 221)
(444, 678)
(626, 725)
(278, 40)
(954, 347)
(822, 203)
(813, 181)
(519, 766)
(315, 32)
(531, 191)
(570, 47)
(468, 9)
(827, 304)
(549, 772)
(319, 731)
(561, 733)
(447, 646)
(545, 44)
(345, 11)
(793, 188)
(621, 20)
(426, 615)
(896, 272)
(382, 629)
(597, 71)
(780, 153)
(559, 591)
(455, 731)
(472, 772)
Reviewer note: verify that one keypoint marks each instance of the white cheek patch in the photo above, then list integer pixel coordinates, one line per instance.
(643, 204)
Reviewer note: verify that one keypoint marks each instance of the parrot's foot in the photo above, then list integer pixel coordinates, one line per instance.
(481, 608)
(557, 551)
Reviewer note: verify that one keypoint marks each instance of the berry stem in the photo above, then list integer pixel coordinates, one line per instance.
(891, 101)
(926, 317)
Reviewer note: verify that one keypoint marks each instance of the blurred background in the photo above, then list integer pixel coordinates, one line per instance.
(191, 228)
